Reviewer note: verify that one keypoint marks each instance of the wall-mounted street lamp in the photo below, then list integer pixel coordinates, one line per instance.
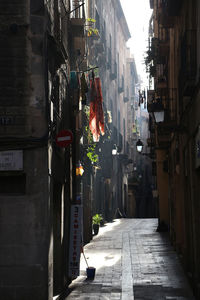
(159, 116)
(123, 158)
(159, 112)
(114, 150)
(139, 147)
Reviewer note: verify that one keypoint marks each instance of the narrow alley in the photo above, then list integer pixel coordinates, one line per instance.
(132, 261)
(99, 126)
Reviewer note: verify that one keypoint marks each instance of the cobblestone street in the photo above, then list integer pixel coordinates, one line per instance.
(132, 261)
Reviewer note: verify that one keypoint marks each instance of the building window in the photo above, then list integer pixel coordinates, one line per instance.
(18, 184)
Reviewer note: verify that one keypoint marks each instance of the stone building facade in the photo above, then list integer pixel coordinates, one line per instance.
(175, 68)
(37, 181)
(109, 52)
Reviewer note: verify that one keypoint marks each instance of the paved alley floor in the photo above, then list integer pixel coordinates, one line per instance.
(132, 261)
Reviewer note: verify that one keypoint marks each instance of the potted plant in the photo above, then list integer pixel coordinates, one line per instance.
(96, 220)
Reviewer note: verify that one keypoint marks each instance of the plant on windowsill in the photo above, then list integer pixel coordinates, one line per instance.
(96, 221)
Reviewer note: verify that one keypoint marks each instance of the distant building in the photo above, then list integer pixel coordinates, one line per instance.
(118, 74)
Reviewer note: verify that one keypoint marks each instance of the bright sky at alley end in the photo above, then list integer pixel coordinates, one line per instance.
(138, 13)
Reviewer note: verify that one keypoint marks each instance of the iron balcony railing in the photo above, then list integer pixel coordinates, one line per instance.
(77, 9)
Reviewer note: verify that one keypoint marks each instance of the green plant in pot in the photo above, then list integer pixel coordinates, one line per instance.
(96, 221)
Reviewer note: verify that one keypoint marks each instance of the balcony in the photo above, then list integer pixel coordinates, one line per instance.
(152, 52)
(77, 9)
(158, 52)
(152, 71)
(156, 108)
(170, 112)
(77, 32)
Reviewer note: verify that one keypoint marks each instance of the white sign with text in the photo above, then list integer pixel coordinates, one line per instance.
(11, 160)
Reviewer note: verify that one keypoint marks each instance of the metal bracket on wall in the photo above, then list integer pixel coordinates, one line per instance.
(76, 8)
(69, 12)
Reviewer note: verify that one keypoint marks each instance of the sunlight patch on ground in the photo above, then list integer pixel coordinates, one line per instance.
(109, 226)
(100, 259)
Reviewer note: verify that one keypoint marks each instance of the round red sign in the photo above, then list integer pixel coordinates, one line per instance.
(64, 138)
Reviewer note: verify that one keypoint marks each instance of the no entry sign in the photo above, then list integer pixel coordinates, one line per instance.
(64, 138)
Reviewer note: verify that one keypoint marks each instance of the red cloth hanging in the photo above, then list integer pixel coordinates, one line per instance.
(96, 122)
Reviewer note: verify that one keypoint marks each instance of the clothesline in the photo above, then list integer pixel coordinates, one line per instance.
(90, 69)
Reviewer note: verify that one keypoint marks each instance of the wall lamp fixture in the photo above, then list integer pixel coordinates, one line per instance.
(139, 147)
(114, 150)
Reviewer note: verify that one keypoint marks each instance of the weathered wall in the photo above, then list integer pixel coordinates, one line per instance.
(15, 65)
(24, 234)
(24, 222)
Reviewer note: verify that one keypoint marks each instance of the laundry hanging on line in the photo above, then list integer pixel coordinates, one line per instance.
(84, 89)
(96, 120)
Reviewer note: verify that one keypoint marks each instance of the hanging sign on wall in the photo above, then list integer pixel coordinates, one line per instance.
(75, 241)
